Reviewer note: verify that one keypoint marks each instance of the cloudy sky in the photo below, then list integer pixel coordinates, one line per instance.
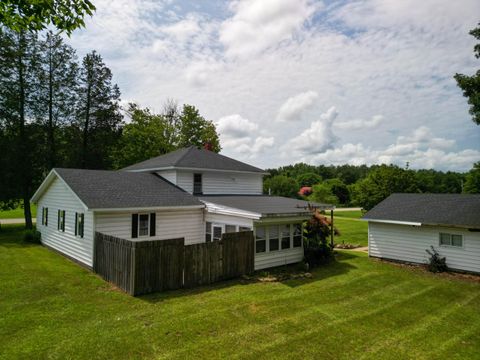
(324, 82)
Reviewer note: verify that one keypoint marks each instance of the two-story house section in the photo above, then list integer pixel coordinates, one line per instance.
(232, 193)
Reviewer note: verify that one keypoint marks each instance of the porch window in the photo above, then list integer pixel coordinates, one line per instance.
(244, 228)
(297, 235)
(451, 240)
(285, 234)
(208, 231)
(197, 184)
(230, 228)
(260, 241)
(217, 233)
(273, 238)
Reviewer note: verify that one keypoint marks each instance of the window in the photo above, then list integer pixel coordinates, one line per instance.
(273, 238)
(79, 221)
(61, 220)
(244, 228)
(451, 240)
(285, 234)
(143, 225)
(217, 233)
(208, 231)
(260, 241)
(197, 184)
(230, 228)
(297, 235)
(45, 216)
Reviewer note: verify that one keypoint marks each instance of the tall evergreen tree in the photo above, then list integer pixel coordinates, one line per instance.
(98, 113)
(18, 86)
(58, 73)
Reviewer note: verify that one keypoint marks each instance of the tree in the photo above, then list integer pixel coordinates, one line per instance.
(281, 186)
(471, 84)
(380, 183)
(98, 113)
(309, 179)
(18, 57)
(195, 130)
(57, 72)
(34, 15)
(146, 136)
(322, 193)
(472, 181)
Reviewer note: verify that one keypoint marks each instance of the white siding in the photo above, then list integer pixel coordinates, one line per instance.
(188, 224)
(408, 243)
(215, 183)
(60, 197)
(227, 219)
(170, 175)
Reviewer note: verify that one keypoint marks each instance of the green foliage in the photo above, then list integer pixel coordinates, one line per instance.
(35, 15)
(382, 182)
(32, 236)
(317, 249)
(470, 85)
(472, 180)
(331, 191)
(308, 179)
(281, 186)
(436, 263)
(144, 137)
(196, 131)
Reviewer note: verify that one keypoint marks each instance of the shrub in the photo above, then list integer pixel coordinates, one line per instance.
(32, 236)
(317, 249)
(436, 263)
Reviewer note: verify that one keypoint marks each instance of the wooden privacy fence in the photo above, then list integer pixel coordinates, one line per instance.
(141, 267)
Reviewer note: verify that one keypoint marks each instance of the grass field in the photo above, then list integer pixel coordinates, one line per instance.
(352, 229)
(17, 213)
(355, 308)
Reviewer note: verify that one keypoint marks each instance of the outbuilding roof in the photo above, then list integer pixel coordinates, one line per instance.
(193, 158)
(456, 210)
(264, 205)
(101, 189)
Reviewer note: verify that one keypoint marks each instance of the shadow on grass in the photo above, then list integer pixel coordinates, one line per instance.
(11, 236)
(289, 275)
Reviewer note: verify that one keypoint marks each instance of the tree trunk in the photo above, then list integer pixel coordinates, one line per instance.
(50, 126)
(86, 126)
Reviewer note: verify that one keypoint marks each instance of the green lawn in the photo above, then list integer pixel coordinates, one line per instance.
(352, 229)
(17, 213)
(356, 308)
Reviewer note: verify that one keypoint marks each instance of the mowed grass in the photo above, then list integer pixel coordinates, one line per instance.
(17, 213)
(352, 229)
(355, 308)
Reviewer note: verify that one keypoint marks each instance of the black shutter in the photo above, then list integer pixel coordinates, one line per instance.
(82, 221)
(152, 224)
(58, 220)
(76, 222)
(46, 216)
(63, 222)
(134, 226)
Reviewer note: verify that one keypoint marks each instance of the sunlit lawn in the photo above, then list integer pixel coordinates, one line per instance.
(17, 213)
(355, 308)
(352, 229)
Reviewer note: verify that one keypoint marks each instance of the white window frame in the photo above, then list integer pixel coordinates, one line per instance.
(451, 242)
(221, 226)
(148, 225)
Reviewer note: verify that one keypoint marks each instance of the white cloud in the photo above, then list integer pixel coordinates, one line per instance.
(259, 24)
(358, 124)
(236, 126)
(295, 106)
(318, 137)
(183, 29)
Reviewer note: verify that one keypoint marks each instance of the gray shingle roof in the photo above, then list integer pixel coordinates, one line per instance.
(100, 189)
(193, 157)
(264, 204)
(461, 210)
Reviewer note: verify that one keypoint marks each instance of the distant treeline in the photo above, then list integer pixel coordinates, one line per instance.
(365, 186)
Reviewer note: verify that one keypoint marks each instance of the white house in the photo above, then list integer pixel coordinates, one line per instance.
(191, 193)
(403, 226)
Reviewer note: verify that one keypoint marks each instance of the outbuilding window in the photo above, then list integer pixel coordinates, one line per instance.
(61, 220)
(451, 240)
(45, 216)
(79, 221)
(143, 225)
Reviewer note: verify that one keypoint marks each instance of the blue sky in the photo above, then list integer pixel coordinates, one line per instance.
(330, 82)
